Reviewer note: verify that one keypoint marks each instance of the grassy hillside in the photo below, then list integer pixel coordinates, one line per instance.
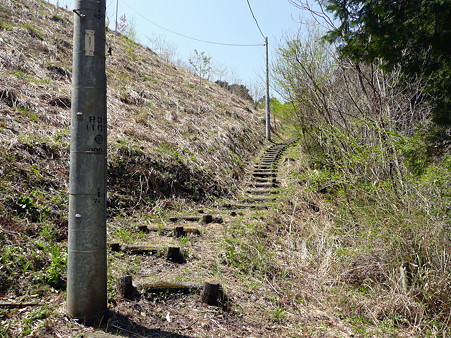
(182, 134)
(167, 135)
(352, 239)
(171, 142)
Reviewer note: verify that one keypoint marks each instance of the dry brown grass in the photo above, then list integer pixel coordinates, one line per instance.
(383, 177)
(171, 144)
(174, 147)
(159, 118)
(348, 257)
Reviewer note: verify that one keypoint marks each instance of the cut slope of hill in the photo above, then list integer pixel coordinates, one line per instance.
(170, 141)
(167, 135)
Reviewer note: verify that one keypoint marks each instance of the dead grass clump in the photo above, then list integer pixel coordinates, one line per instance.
(62, 102)
(363, 268)
(8, 96)
(59, 73)
(139, 181)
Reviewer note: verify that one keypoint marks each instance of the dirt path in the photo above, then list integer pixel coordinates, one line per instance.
(170, 258)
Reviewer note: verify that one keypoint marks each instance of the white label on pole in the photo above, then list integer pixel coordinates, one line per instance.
(89, 42)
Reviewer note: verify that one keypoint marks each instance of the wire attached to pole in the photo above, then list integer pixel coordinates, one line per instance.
(256, 21)
(190, 37)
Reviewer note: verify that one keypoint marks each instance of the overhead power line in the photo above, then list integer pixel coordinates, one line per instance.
(256, 21)
(190, 37)
(268, 102)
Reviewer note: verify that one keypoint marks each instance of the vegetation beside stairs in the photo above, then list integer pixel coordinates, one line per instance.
(347, 235)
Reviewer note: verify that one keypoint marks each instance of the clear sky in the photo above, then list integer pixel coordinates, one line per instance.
(224, 21)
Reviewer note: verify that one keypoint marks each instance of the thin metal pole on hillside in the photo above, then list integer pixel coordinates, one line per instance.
(87, 264)
(117, 9)
(268, 108)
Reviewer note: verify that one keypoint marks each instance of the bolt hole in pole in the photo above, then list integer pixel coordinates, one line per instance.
(87, 268)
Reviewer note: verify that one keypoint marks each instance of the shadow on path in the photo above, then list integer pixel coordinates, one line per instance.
(117, 324)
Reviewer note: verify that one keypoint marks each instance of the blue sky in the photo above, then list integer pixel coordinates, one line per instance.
(224, 21)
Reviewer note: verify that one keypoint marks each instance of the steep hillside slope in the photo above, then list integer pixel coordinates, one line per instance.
(170, 140)
(167, 135)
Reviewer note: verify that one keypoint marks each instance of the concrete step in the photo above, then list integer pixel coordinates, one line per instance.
(266, 166)
(259, 191)
(266, 170)
(263, 174)
(263, 179)
(248, 206)
(257, 199)
(269, 159)
(262, 184)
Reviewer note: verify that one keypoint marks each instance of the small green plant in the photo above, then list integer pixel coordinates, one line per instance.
(170, 150)
(15, 258)
(57, 267)
(183, 241)
(34, 31)
(4, 329)
(145, 78)
(131, 46)
(28, 113)
(6, 26)
(48, 233)
(26, 205)
(279, 313)
(125, 234)
(201, 64)
(18, 73)
(39, 81)
(26, 266)
(34, 169)
(35, 319)
(61, 139)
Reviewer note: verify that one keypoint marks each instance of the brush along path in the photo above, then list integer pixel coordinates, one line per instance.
(194, 248)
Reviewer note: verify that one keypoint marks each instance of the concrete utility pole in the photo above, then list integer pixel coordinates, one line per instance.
(87, 269)
(268, 107)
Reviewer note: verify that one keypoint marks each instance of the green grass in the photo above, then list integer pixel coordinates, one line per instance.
(246, 248)
(32, 116)
(376, 230)
(34, 31)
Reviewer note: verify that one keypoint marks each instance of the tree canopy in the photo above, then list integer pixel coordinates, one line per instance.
(415, 34)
